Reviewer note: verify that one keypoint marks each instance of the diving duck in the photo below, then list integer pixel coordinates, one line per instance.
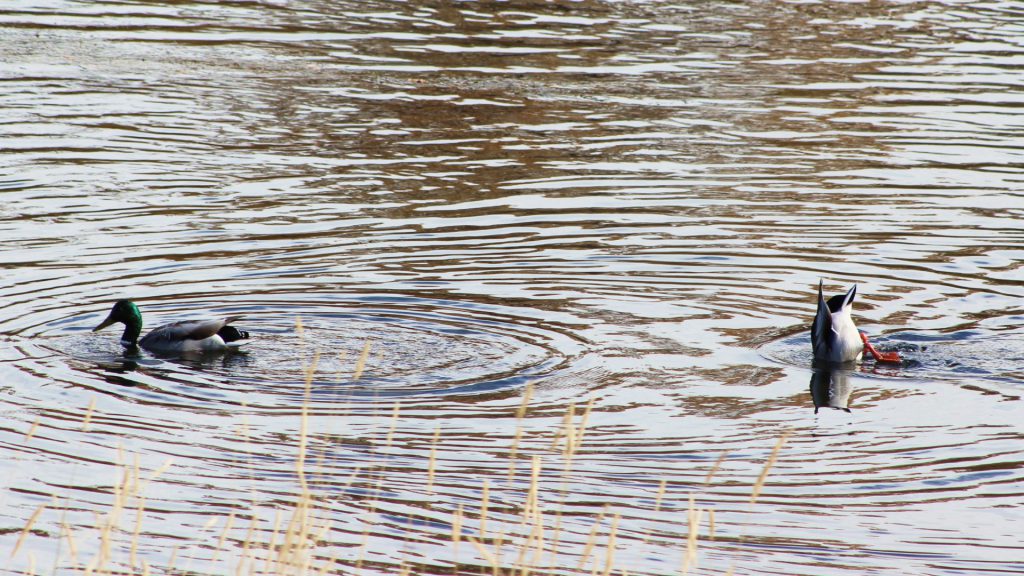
(834, 337)
(213, 335)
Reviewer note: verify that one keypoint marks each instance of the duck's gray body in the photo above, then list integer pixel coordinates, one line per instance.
(191, 336)
(834, 337)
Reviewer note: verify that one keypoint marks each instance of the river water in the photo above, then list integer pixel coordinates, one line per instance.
(523, 278)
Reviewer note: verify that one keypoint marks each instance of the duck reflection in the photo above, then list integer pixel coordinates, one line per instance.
(118, 370)
(123, 370)
(830, 386)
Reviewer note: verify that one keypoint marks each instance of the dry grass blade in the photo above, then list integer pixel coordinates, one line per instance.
(341, 362)
(107, 525)
(513, 452)
(309, 371)
(661, 494)
(361, 362)
(589, 547)
(72, 545)
(273, 540)
(570, 443)
(566, 429)
(156, 473)
(88, 415)
(693, 516)
(485, 554)
(532, 495)
(223, 536)
(527, 395)
(32, 429)
(173, 560)
(534, 541)
(363, 545)
(717, 465)
(768, 466)
(300, 461)
(583, 425)
(520, 413)
(327, 565)
(247, 552)
(457, 527)
(432, 463)
(292, 553)
(609, 559)
(28, 527)
(394, 424)
(132, 555)
(136, 471)
(485, 499)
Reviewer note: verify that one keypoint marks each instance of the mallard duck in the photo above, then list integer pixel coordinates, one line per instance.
(835, 338)
(186, 336)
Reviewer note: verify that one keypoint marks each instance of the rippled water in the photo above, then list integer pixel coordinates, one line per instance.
(457, 230)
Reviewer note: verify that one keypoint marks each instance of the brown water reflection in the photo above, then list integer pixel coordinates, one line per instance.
(581, 236)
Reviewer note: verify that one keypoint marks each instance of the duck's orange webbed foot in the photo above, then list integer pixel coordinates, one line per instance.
(890, 357)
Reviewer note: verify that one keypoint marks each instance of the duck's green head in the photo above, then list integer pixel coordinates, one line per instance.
(127, 313)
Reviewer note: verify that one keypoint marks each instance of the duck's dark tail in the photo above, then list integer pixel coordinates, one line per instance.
(231, 334)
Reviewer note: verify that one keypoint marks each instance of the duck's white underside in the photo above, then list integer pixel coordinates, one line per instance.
(211, 344)
(848, 347)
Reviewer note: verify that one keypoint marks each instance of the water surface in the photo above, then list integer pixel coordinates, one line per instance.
(431, 216)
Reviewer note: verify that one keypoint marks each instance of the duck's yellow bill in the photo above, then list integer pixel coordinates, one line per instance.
(104, 324)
